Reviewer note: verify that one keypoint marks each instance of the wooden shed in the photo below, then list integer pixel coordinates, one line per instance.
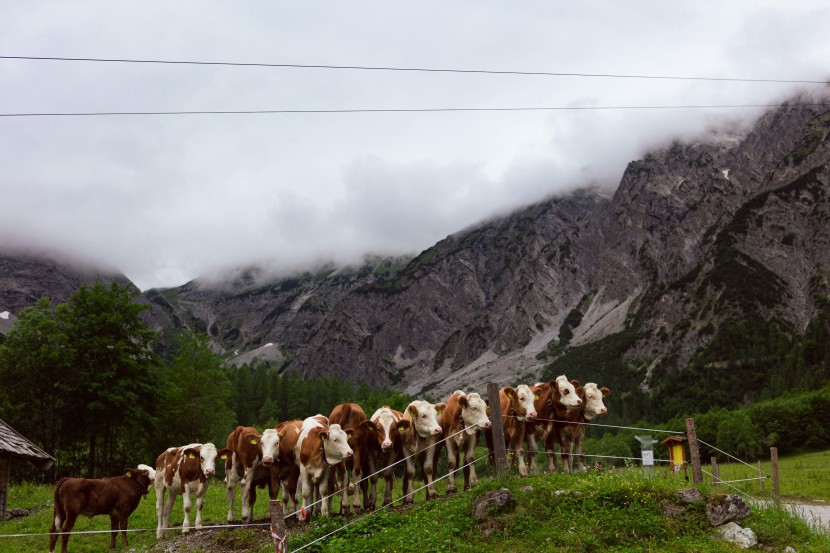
(15, 446)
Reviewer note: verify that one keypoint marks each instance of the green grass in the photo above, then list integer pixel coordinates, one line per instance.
(616, 512)
(804, 476)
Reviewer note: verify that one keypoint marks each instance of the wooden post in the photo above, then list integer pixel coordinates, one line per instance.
(499, 448)
(279, 532)
(715, 471)
(5, 464)
(776, 483)
(694, 452)
(761, 476)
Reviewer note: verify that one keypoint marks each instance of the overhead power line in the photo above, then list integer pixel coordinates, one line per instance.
(414, 69)
(393, 110)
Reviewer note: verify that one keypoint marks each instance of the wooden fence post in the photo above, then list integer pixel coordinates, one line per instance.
(279, 532)
(761, 476)
(776, 483)
(694, 452)
(499, 448)
(715, 472)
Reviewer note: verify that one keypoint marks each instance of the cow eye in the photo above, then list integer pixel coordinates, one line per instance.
(566, 392)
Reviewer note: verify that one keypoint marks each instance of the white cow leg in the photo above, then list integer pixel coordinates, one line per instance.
(200, 499)
(452, 464)
(160, 513)
(470, 476)
(532, 449)
(231, 499)
(409, 482)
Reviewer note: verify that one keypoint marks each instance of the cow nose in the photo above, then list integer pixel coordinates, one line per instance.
(437, 431)
(532, 415)
(386, 445)
(209, 472)
(603, 411)
(349, 454)
(487, 424)
(267, 460)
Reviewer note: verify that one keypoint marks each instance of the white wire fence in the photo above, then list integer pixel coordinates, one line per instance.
(630, 461)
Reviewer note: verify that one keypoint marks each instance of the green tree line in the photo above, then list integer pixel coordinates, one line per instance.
(82, 381)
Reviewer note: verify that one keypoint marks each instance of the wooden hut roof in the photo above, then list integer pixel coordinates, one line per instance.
(15, 445)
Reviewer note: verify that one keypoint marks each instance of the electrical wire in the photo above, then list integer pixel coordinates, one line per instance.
(391, 110)
(412, 69)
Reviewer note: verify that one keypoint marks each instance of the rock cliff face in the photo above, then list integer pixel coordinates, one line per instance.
(698, 240)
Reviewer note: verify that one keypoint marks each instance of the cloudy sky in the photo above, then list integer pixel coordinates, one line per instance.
(168, 198)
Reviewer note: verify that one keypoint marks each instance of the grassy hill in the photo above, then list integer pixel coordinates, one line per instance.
(619, 511)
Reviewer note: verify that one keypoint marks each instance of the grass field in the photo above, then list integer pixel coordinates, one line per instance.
(601, 511)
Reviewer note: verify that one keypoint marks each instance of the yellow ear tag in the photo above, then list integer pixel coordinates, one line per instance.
(401, 428)
(536, 395)
(129, 475)
(323, 438)
(509, 394)
(191, 456)
(253, 442)
(223, 457)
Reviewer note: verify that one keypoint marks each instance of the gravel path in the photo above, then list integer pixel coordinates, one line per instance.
(814, 513)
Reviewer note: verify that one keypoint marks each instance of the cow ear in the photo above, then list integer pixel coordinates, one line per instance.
(487, 401)
(537, 395)
(324, 436)
(224, 453)
(413, 411)
(575, 382)
(128, 473)
(439, 407)
(605, 391)
(191, 452)
(509, 392)
(254, 441)
(369, 425)
(403, 424)
(462, 401)
(349, 432)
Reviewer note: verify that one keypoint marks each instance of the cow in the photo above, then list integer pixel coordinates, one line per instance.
(462, 420)
(517, 408)
(418, 441)
(250, 460)
(182, 470)
(116, 496)
(351, 415)
(320, 446)
(285, 472)
(570, 429)
(554, 399)
(387, 449)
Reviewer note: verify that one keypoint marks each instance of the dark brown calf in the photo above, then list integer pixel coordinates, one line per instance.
(117, 497)
(351, 415)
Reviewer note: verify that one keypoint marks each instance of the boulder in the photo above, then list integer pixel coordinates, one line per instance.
(690, 495)
(726, 508)
(742, 537)
(494, 501)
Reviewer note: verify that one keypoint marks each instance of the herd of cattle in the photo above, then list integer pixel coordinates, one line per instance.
(311, 460)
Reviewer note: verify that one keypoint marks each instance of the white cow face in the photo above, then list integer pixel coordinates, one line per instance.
(385, 427)
(207, 454)
(424, 417)
(594, 406)
(474, 413)
(567, 393)
(270, 442)
(523, 403)
(336, 444)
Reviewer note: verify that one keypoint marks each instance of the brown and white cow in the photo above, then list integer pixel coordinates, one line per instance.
(462, 421)
(180, 471)
(351, 415)
(418, 442)
(387, 449)
(554, 400)
(319, 447)
(517, 408)
(285, 472)
(250, 460)
(570, 428)
(117, 497)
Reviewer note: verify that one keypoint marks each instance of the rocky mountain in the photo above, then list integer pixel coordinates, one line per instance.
(702, 280)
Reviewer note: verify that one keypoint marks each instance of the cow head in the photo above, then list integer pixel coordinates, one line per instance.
(521, 402)
(206, 455)
(594, 406)
(473, 412)
(270, 443)
(424, 416)
(336, 443)
(564, 392)
(143, 475)
(387, 425)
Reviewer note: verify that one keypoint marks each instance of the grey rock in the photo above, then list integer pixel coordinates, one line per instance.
(494, 501)
(726, 508)
(690, 495)
(733, 533)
